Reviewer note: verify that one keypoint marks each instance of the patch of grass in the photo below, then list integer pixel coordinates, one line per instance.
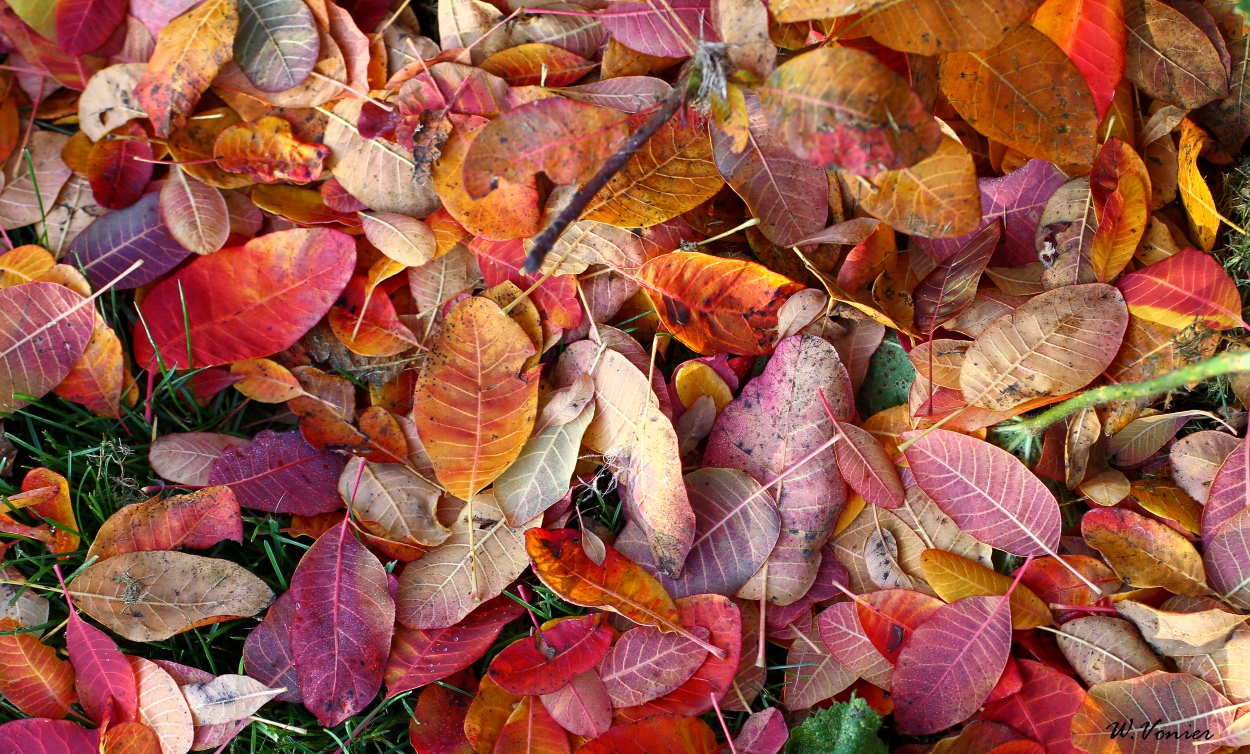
(106, 463)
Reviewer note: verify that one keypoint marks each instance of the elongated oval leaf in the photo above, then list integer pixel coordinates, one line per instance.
(34, 679)
(162, 706)
(954, 577)
(393, 502)
(546, 661)
(114, 242)
(1184, 288)
(150, 596)
(187, 457)
(198, 520)
(267, 654)
(195, 213)
(277, 44)
(474, 412)
(342, 626)
(102, 676)
(950, 664)
(422, 656)
(582, 707)
(646, 664)
(1177, 705)
(1224, 559)
(987, 491)
(1055, 343)
(540, 476)
(1169, 58)
(46, 328)
(1145, 552)
(264, 296)
(189, 53)
(281, 473)
(1196, 458)
(1102, 648)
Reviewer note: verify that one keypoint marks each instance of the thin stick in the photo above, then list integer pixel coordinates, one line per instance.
(610, 167)
(748, 224)
(759, 654)
(728, 736)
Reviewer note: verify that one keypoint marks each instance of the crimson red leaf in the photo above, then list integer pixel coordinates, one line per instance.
(544, 663)
(421, 656)
(246, 301)
(344, 615)
(437, 725)
(102, 675)
(950, 664)
(84, 25)
(556, 297)
(281, 473)
(1043, 708)
(660, 734)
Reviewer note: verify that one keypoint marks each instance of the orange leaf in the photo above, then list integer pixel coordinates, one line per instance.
(537, 64)
(265, 151)
(32, 677)
(510, 211)
(366, 322)
(716, 305)
(96, 380)
(59, 510)
(189, 53)
(265, 381)
(131, 738)
(1092, 34)
(1184, 288)
(198, 520)
(474, 413)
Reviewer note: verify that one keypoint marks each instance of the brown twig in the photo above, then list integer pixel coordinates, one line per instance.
(610, 167)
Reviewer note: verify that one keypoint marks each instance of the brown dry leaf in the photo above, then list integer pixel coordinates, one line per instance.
(151, 596)
(1183, 634)
(1103, 648)
(1027, 94)
(1145, 552)
(226, 698)
(1171, 59)
(1056, 343)
(379, 173)
(393, 502)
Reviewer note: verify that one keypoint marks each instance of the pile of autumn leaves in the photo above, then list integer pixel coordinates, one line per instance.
(483, 400)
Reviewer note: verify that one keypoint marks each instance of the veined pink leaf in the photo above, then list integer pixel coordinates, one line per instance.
(1230, 491)
(1197, 457)
(814, 674)
(46, 327)
(776, 421)
(714, 678)
(646, 664)
(102, 676)
(867, 468)
(664, 28)
(344, 615)
(989, 493)
(950, 664)
(845, 639)
(281, 473)
(119, 239)
(582, 706)
(1224, 558)
(43, 736)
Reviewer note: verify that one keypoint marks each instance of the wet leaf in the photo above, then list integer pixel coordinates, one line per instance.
(198, 520)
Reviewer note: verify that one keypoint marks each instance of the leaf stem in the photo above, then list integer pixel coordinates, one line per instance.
(1225, 363)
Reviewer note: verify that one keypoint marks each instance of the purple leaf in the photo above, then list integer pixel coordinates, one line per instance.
(341, 631)
(950, 664)
(267, 653)
(949, 289)
(114, 242)
(646, 664)
(1018, 199)
(790, 196)
(281, 473)
(1225, 561)
(773, 424)
(831, 571)
(1230, 491)
(582, 706)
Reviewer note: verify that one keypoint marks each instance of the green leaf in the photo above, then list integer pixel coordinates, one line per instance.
(845, 728)
(889, 377)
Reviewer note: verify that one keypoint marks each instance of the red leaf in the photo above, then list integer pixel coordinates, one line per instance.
(344, 615)
(1043, 708)
(437, 725)
(247, 301)
(421, 656)
(116, 176)
(199, 521)
(32, 678)
(84, 25)
(895, 615)
(543, 664)
(659, 734)
(1183, 288)
(1092, 34)
(103, 678)
(950, 664)
(42, 736)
